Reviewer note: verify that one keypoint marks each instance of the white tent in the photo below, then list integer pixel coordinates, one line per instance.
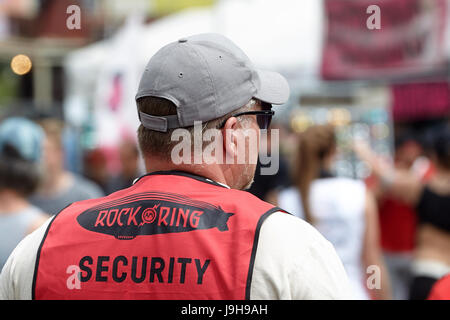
(282, 35)
(276, 34)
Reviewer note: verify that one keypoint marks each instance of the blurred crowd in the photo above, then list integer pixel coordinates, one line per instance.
(391, 230)
(35, 182)
(397, 219)
(390, 227)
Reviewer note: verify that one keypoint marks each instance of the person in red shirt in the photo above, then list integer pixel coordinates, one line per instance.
(431, 199)
(398, 220)
(441, 289)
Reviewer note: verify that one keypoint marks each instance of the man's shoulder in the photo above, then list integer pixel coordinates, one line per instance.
(297, 261)
(285, 225)
(288, 234)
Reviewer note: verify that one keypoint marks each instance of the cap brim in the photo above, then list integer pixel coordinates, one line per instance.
(274, 88)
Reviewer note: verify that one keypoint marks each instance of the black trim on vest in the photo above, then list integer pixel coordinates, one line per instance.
(38, 254)
(255, 246)
(184, 174)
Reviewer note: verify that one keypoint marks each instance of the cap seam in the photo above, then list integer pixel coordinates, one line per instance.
(161, 70)
(210, 78)
(240, 62)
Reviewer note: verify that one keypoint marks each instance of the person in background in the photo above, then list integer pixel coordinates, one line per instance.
(342, 209)
(267, 186)
(20, 153)
(129, 162)
(95, 168)
(398, 219)
(431, 201)
(59, 187)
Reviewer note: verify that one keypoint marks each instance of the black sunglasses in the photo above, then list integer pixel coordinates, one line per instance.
(263, 118)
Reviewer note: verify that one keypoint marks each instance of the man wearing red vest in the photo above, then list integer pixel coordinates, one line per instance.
(185, 230)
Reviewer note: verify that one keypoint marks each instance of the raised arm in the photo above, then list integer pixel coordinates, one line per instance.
(402, 184)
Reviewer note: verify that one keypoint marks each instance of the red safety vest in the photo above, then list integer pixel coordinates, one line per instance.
(171, 235)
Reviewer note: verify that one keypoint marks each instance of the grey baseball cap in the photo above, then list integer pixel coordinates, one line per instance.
(206, 76)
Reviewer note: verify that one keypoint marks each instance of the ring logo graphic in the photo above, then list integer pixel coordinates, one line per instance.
(149, 215)
(152, 213)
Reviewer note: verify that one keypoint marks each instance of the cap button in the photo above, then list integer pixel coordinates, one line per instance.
(182, 40)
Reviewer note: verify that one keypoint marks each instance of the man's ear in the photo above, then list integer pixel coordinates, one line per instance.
(230, 139)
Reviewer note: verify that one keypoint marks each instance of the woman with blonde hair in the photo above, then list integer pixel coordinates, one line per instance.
(342, 209)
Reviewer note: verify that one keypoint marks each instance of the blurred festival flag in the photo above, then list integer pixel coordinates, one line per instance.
(118, 76)
(411, 40)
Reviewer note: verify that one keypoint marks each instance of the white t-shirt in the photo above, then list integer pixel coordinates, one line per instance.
(293, 261)
(338, 206)
(14, 226)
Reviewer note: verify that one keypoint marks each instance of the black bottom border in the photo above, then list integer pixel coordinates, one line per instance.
(241, 309)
